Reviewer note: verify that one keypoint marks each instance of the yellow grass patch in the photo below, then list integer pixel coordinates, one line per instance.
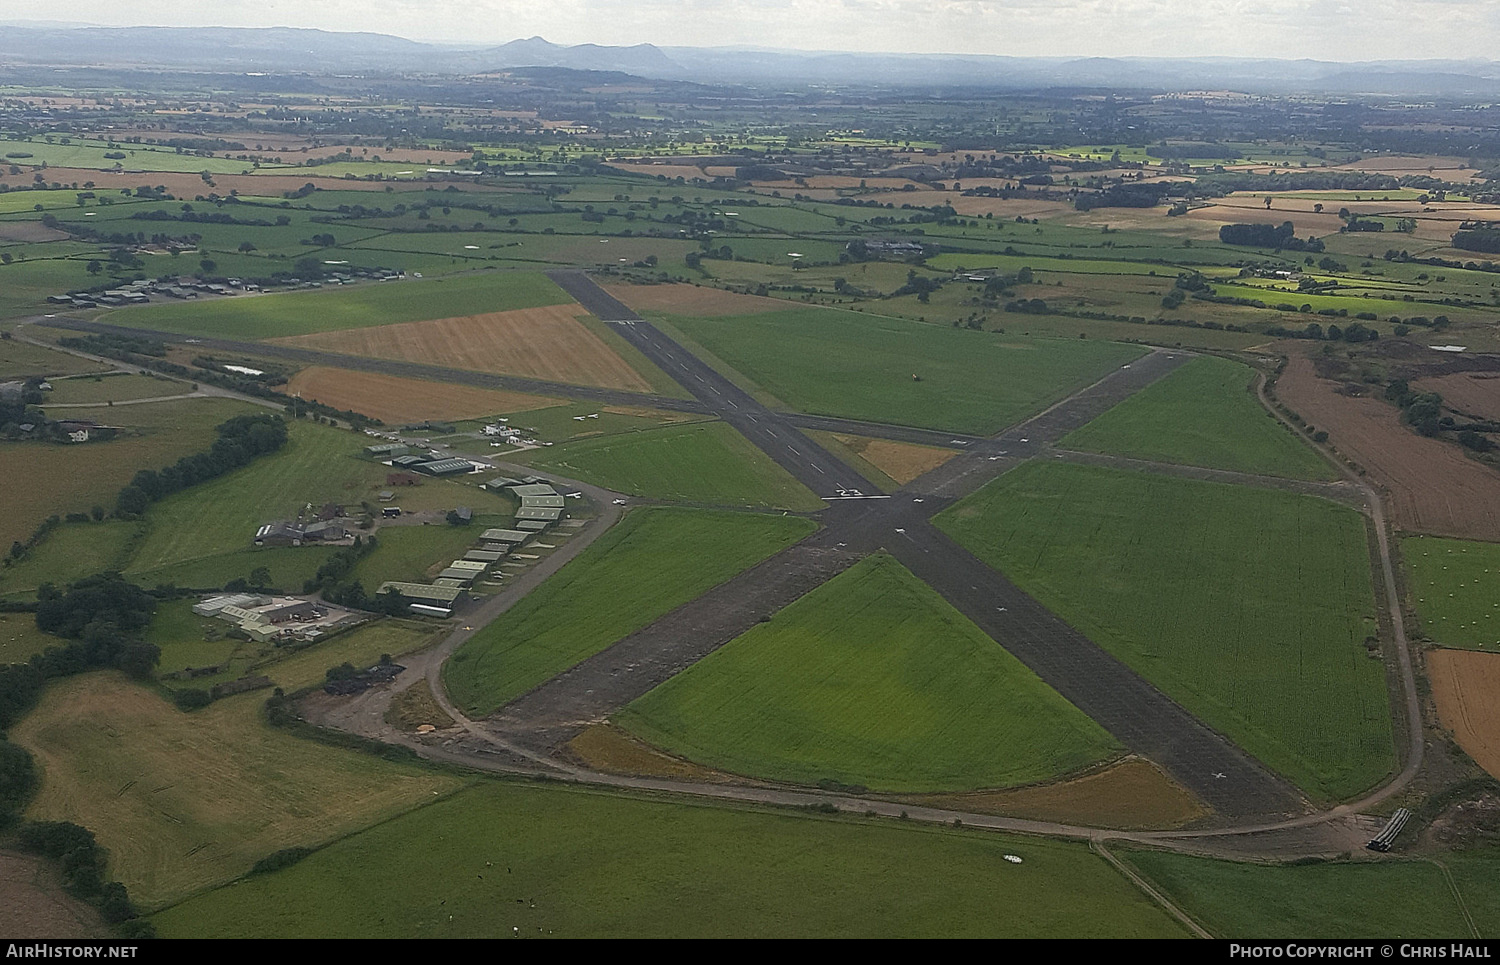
(542, 343)
(393, 399)
(699, 302)
(185, 802)
(606, 748)
(1466, 685)
(1130, 794)
(902, 461)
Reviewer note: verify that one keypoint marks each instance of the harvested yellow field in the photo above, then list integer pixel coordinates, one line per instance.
(902, 461)
(184, 801)
(1466, 685)
(392, 399)
(540, 343)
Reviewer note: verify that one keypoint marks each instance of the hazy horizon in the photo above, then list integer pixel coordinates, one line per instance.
(1327, 30)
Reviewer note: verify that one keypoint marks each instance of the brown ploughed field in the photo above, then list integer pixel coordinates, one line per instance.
(393, 399)
(541, 343)
(1466, 685)
(1434, 488)
(1472, 393)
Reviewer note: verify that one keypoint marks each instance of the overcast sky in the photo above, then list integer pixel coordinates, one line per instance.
(1319, 29)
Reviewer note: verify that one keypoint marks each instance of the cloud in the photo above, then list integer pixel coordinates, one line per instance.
(1320, 29)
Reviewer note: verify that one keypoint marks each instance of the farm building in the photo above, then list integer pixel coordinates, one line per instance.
(544, 514)
(464, 514)
(505, 536)
(288, 533)
(531, 526)
(444, 467)
(456, 577)
(388, 450)
(485, 556)
(499, 483)
(212, 605)
(423, 592)
(533, 489)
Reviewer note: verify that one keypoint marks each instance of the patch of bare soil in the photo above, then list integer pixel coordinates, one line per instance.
(1434, 488)
(1132, 794)
(33, 904)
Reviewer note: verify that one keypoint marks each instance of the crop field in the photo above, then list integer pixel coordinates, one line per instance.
(504, 859)
(1466, 686)
(395, 400)
(1476, 394)
(1452, 587)
(188, 801)
(871, 679)
(650, 563)
(80, 477)
(1202, 414)
(388, 303)
(706, 462)
(83, 390)
(902, 372)
(1250, 607)
(1390, 899)
(1434, 488)
(543, 343)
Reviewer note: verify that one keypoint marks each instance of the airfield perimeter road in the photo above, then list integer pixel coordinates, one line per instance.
(1136, 713)
(860, 520)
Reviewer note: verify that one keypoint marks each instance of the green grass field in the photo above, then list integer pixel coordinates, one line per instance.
(871, 679)
(862, 366)
(299, 313)
(111, 388)
(411, 554)
(19, 637)
(71, 551)
(1452, 586)
(80, 477)
(20, 359)
(707, 462)
(183, 801)
(653, 561)
(505, 859)
(1250, 607)
(219, 517)
(1388, 900)
(1203, 414)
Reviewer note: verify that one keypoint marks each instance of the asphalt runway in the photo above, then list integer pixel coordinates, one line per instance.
(1138, 715)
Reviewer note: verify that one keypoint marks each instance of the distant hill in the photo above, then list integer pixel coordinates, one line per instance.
(287, 49)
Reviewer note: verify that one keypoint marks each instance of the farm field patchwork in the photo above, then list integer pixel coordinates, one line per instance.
(505, 859)
(1391, 899)
(1453, 589)
(871, 679)
(183, 801)
(705, 462)
(651, 562)
(897, 371)
(1466, 686)
(1250, 607)
(1202, 414)
(366, 304)
(396, 400)
(547, 342)
(71, 551)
